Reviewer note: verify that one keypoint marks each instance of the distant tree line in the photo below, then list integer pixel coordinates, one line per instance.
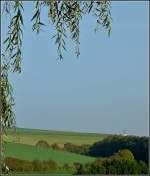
(107, 147)
(24, 166)
(115, 154)
(79, 149)
(69, 147)
(111, 144)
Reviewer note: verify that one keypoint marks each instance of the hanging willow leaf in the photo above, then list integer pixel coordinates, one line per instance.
(13, 41)
(37, 17)
(7, 99)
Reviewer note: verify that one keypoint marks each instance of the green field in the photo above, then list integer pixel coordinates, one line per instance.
(28, 152)
(21, 144)
(32, 136)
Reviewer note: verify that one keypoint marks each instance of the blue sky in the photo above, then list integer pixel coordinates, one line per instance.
(105, 90)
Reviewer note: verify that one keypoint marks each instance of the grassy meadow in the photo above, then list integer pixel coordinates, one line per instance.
(21, 145)
(32, 136)
(29, 152)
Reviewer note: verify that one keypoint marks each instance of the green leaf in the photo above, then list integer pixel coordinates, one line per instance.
(37, 12)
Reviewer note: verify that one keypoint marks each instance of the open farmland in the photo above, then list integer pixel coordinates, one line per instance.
(28, 152)
(32, 136)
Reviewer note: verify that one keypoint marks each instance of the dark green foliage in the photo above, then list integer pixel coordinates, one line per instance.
(36, 165)
(68, 166)
(143, 167)
(121, 162)
(43, 144)
(55, 146)
(7, 101)
(18, 165)
(124, 153)
(113, 166)
(80, 169)
(110, 145)
(79, 149)
(44, 165)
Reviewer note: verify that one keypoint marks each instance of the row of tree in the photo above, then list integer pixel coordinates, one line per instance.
(69, 147)
(122, 162)
(107, 147)
(111, 144)
(18, 165)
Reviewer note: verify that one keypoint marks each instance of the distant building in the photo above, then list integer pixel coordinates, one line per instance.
(125, 133)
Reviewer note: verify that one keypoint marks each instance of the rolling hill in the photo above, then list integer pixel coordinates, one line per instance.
(32, 136)
(29, 152)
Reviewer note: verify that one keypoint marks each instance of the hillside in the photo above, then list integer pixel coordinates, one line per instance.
(28, 152)
(32, 136)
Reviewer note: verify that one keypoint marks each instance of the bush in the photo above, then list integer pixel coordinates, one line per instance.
(18, 165)
(55, 146)
(68, 166)
(124, 154)
(143, 167)
(114, 167)
(35, 165)
(121, 163)
(76, 165)
(44, 165)
(43, 144)
(79, 149)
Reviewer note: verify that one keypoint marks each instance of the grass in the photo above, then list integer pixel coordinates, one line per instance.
(57, 172)
(42, 174)
(32, 136)
(21, 144)
(28, 152)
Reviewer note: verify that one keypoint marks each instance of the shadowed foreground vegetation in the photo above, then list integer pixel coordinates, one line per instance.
(114, 166)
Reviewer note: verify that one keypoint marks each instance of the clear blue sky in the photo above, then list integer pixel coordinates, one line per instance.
(105, 90)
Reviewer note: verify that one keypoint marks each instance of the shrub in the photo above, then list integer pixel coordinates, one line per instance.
(76, 165)
(113, 166)
(18, 165)
(79, 149)
(44, 165)
(68, 166)
(35, 165)
(43, 144)
(126, 154)
(55, 146)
